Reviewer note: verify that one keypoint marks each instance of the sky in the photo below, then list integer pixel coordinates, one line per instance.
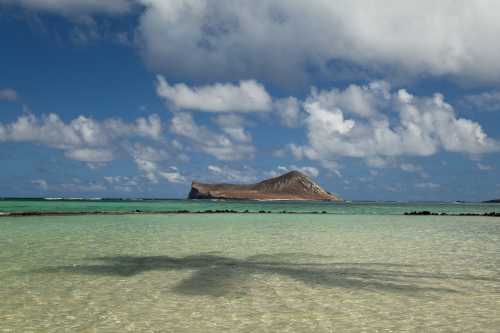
(397, 100)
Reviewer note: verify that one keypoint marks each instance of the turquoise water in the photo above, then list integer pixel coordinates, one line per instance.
(250, 272)
(358, 208)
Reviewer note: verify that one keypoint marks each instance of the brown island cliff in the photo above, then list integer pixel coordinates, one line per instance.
(293, 185)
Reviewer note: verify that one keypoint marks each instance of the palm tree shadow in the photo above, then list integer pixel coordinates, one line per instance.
(215, 275)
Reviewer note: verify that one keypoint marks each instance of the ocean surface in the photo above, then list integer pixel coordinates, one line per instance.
(362, 268)
(344, 208)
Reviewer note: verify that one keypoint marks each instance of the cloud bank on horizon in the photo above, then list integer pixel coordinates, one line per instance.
(340, 80)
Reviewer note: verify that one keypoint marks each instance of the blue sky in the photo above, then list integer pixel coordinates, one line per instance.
(136, 98)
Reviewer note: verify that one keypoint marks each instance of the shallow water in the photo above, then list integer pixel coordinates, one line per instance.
(342, 208)
(249, 273)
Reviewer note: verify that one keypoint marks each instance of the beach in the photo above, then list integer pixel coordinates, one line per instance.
(250, 272)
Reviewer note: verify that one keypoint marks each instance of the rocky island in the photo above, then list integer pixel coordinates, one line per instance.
(293, 185)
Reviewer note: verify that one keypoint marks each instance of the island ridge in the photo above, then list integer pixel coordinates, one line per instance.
(293, 185)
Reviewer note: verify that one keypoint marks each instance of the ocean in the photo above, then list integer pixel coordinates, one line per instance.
(361, 267)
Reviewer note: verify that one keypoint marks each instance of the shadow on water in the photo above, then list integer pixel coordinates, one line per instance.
(217, 275)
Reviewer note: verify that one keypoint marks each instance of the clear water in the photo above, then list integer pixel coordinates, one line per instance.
(250, 273)
(356, 208)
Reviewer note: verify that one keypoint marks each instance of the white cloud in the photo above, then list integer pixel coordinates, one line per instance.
(288, 111)
(233, 126)
(221, 146)
(148, 127)
(41, 184)
(214, 168)
(485, 167)
(228, 174)
(97, 142)
(285, 41)
(149, 168)
(146, 159)
(408, 167)
(486, 101)
(173, 176)
(247, 175)
(409, 125)
(83, 139)
(8, 95)
(90, 155)
(82, 131)
(429, 186)
(74, 7)
(80, 186)
(281, 40)
(296, 151)
(247, 96)
(377, 162)
(149, 161)
(307, 170)
(130, 181)
(124, 183)
(149, 153)
(363, 101)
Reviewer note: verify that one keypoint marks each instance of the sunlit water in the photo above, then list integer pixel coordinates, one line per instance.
(344, 208)
(249, 273)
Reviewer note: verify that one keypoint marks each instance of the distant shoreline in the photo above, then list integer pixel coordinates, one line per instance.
(146, 199)
(226, 211)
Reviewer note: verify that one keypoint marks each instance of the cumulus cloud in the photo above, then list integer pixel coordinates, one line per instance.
(233, 126)
(123, 183)
(229, 99)
(286, 41)
(8, 95)
(149, 169)
(77, 185)
(203, 139)
(146, 159)
(296, 150)
(74, 7)
(407, 125)
(288, 111)
(281, 41)
(172, 175)
(486, 101)
(307, 170)
(247, 96)
(247, 175)
(90, 155)
(409, 167)
(364, 101)
(227, 174)
(83, 139)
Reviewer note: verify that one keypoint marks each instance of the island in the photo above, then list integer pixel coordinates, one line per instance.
(293, 185)
(492, 201)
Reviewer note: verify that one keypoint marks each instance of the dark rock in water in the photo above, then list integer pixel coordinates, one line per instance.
(426, 213)
(493, 201)
(291, 186)
(423, 212)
